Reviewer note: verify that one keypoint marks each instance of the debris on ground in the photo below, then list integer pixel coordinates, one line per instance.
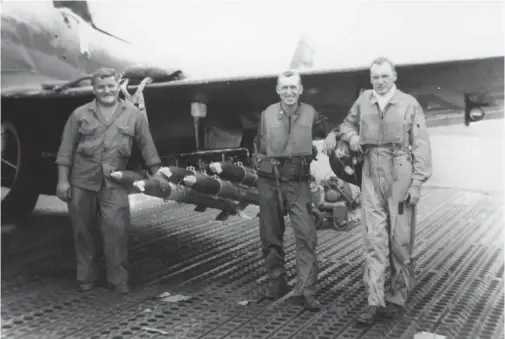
(150, 329)
(176, 298)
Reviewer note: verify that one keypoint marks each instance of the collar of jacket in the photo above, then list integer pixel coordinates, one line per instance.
(295, 115)
(394, 94)
(92, 105)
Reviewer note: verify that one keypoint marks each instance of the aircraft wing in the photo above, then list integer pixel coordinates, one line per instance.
(438, 86)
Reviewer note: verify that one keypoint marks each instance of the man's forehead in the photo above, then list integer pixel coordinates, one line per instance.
(105, 80)
(289, 80)
(383, 68)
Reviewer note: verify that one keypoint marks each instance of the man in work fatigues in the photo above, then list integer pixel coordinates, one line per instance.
(97, 140)
(389, 126)
(284, 152)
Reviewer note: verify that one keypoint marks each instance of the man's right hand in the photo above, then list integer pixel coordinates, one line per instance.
(63, 191)
(354, 144)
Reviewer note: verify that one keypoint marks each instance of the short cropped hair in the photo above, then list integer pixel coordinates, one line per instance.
(382, 60)
(103, 73)
(289, 74)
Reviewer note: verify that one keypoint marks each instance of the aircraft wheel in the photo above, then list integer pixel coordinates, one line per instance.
(19, 187)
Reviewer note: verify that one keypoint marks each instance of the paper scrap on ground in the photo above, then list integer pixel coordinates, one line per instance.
(427, 335)
(150, 329)
(176, 298)
(244, 302)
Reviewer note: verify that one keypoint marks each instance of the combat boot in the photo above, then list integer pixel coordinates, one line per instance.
(368, 315)
(391, 310)
(120, 289)
(308, 300)
(275, 288)
(86, 286)
(123, 289)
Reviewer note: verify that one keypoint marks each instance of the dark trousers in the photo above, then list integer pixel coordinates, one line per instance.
(298, 202)
(100, 220)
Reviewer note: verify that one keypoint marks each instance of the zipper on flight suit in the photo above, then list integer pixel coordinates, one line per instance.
(382, 113)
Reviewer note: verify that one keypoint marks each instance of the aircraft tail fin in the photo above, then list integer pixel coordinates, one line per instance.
(81, 9)
(303, 56)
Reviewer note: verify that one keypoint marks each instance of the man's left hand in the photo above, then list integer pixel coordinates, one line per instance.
(330, 143)
(413, 195)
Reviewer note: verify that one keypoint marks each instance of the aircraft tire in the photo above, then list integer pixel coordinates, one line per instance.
(19, 173)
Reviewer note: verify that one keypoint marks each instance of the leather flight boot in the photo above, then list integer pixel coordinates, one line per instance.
(275, 288)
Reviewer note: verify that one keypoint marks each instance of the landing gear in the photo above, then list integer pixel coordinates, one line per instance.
(19, 187)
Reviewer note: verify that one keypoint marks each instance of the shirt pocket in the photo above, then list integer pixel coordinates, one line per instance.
(87, 148)
(87, 127)
(88, 139)
(125, 140)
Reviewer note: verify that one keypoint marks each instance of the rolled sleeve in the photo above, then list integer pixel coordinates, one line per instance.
(145, 141)
(421, 148)
(350, 125)
(68, 141)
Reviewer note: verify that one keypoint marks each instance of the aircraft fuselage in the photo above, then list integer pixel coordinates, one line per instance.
(48, 43)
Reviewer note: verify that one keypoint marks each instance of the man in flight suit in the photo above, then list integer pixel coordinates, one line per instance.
(284, 152)
(389, 126)
(97, 140)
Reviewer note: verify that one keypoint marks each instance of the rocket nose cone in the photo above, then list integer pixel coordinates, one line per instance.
(189, 180)
(216, 167)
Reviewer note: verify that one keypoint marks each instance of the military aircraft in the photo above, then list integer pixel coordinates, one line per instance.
(44, 45)
(46, 54)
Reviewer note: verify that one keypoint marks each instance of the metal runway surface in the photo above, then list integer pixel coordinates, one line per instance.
(459, 260)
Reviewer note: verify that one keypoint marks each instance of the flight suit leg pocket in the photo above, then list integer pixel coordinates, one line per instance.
(402, 167)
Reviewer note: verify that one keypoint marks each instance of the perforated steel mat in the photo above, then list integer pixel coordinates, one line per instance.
(459, 256)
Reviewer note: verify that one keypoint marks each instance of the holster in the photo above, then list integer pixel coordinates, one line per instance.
(285, 169)
(295, 169)
(266, 168)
